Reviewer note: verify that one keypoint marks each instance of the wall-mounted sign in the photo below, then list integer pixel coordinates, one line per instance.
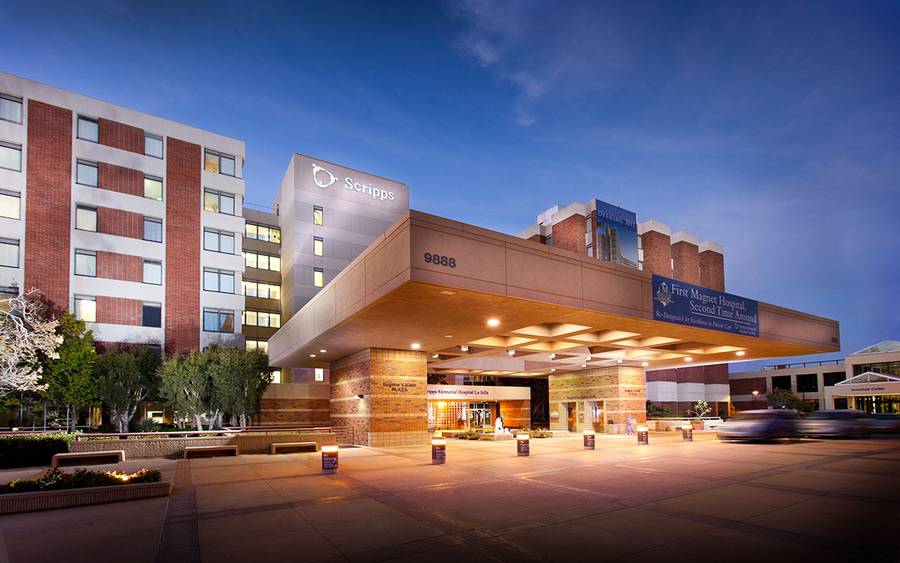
(616, 234)
(478, 393)
(687, 304)
(324, 178)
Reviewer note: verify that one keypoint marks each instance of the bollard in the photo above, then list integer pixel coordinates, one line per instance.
(687, 433)
(643, 435)
(438, 451)
(329, 460)
(589, 439)
(523, 446)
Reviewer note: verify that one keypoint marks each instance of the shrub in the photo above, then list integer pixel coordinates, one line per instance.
(468, 435)
(56, 480)
(27, 450)
(148, 425)
(538, 433)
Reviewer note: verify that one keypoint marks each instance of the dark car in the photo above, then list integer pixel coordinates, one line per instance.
(884, 423)
(763, 424)
(840, 423)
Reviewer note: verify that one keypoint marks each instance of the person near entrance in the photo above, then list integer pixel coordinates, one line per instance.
(629, 424)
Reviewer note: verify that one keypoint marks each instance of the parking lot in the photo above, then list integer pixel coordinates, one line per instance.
(822, 500)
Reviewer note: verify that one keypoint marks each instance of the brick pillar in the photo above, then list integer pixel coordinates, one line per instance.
(712, 266)
(621, 389)
(568, 234)
(48, 201)
(393, 410)
(686, 257)
(656, 245)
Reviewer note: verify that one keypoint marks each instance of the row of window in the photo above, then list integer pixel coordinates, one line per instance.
(88, 129)
(262, 261)
(86, 310)
(86, 265)
(86, 220)
(261, 318)
(261, 289)
(87, 174)
(268, 233)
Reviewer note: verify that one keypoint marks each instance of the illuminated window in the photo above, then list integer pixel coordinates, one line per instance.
(11, 156)
(85, 309)
(218, 202)
(320, 374)
(9, 253)
(10, 205)
(262, 318)
(318, 246)
(88, 129)
(276, 376)
(86, 263)
(86, 173)
(153, 188)
(263, 232)
(153, 145)
(257, 345)
(219, 163)
(10, 108)
(261, 289)
(86, 218)
(318, 277)
(318, 215)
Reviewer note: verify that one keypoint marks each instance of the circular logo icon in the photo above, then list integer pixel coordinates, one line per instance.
(323, 178)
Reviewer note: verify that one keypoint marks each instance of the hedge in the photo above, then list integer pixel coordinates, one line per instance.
(28, 450)
(56, 480)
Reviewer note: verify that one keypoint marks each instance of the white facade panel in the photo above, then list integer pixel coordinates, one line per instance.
(126, 333)
(107, 198)
(692, 392)
(223, 183)
(222, 222)
(662, 391)
(230, 301)
(220, 339)
(121, 245)
(717, 392)
(83, 285)
(88, 150)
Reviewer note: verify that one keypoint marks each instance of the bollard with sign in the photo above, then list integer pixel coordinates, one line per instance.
(438, 451)
(643, 435)
(329, 460)
(687, 433)
(523, 444)
(589, 439)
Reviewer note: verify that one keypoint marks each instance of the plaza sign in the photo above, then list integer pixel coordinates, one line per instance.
(324, 178)
(687, 304)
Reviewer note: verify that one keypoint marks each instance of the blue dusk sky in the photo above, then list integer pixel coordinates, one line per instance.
(772, 128)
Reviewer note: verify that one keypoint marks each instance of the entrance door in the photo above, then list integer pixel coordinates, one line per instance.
(480, 415)
(597, 416)
(570, 417)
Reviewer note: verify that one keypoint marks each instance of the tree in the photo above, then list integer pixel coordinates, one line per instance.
(657, 411)
(238, 379)
(700, 409)
(183, 385)
(126, 378)
(27, 334)
(68, 378)
(785, 399)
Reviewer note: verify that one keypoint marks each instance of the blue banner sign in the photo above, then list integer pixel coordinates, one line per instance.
(616, 235)
(687, 304)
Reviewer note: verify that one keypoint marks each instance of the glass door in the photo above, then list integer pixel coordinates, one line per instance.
(480, 415)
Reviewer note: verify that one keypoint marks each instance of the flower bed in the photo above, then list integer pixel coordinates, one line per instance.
(56, 480)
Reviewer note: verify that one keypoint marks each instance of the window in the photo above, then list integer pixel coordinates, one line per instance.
(151, 315)
(218, 320)
(263, 232)
(85, 309)
(320, 374)
(10, 108)
(318, 215)
(257, 345)
(153, 188)
(807, 383)
(318, 277)
(86, 218)
(10, 204)
(781, 382)
(218, 241)
(218, 202)
(86, 173)
(153, 145)
(11, 156)
(833, 377)
(261, 289)
(152, 229)
(152, 272)
(262, 318)
(88, 130)
(219, 163)
(86, 263)
(221, 281)
(318, 246)
(9, 253)
(262, 261)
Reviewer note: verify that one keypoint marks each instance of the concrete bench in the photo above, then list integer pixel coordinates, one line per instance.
(210, 451)
(87, 458)
(293, 447)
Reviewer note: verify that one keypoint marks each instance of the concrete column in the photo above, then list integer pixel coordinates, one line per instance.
(379, 397)
(686, 257)
(621, 388)
(712, 265)
(656, 245)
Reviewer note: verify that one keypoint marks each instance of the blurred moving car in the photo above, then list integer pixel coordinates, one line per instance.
(842, 423)
(762, 424)
(884, 423)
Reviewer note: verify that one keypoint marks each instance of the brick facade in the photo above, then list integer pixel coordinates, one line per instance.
(295, 411)
(516, 414)
(48, 205)
(621, 389)
(657, 250)
(121, 223)
(712, 270)
(120, 179)
(748, 386)
(118, 311)
(121, 136)
(111, 265)
(568, 234)
(686, 262)
(183, 204)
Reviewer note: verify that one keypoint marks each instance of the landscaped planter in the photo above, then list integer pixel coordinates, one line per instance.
(697, 425)
(44, 500)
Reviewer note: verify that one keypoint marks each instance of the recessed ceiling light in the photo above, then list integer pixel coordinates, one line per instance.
(322, 351)
(447, 292)
(312, 355)
(435, 356)
(552, 355)
(552, 369)
(448, 336)
(415, 345)
(739, 353)
(493, 322)
(645, 364)
(511, 352)
(689, 359)
(619, 361)
(584, 365)
(464, 348)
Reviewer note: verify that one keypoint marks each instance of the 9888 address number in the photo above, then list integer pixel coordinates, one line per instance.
(439, 260)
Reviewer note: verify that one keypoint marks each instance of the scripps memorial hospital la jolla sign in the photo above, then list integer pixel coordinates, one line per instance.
(687, 304)
(324, 178)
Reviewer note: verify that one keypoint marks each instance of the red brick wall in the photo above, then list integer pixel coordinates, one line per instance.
(122, 223)
(115, 266)
(662, 375)
(120, 179)
(568, 234)
(121, 136)
(48, 201)
(712, 270)
(686, 262)
(538, 238)
(118, 311)
(295, 411)
(748, 386)
(716, 374)
(183, 200)
(657, 253)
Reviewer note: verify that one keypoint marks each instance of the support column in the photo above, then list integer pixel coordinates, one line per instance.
(621, 388)
(379, 397)
(656, 246)
(712, 266)
(686, 257)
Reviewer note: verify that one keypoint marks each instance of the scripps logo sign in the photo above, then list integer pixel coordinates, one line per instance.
(324, 178)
